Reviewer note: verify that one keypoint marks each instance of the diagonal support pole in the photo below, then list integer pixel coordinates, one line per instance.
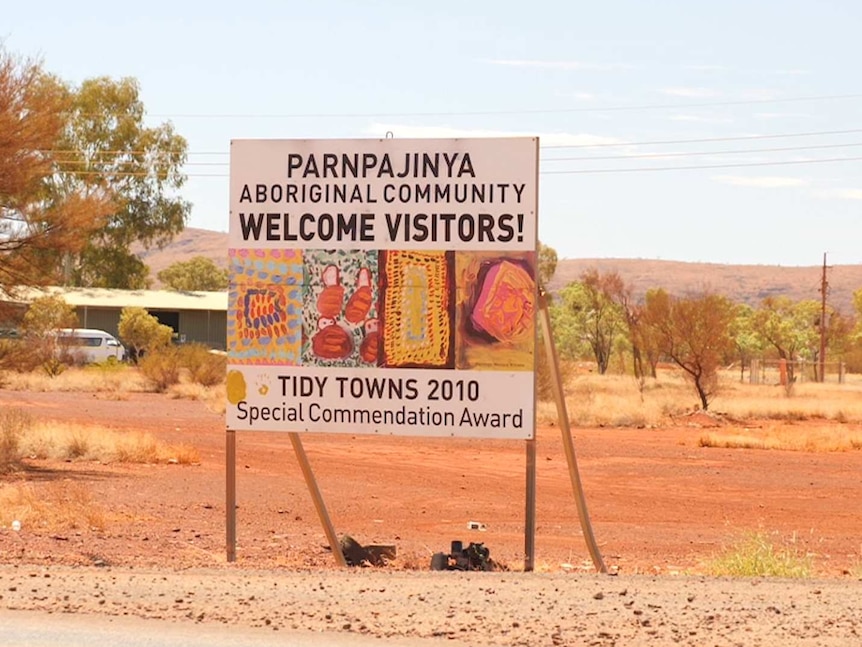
(565, 429)
(316, 496)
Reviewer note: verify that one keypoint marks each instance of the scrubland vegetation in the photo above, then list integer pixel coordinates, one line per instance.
(757, 555)
(622, 401)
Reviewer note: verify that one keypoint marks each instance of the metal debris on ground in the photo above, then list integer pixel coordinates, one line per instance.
(475, 557)
(355, 554)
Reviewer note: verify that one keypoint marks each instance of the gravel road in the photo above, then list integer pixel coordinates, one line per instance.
(501, 608)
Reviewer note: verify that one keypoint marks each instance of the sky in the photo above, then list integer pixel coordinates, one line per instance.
(691, 130)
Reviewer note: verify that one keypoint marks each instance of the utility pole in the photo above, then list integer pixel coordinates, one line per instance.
(824, 286)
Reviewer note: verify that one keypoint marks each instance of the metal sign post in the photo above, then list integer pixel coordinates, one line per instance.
(230, 494)
(530, 516)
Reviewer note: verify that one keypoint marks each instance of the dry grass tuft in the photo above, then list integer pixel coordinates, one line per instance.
(58, 441)
(840, 403)
(214, 397)
(616, 401)
(204, 367)
(54, 507)
(188, 391)
(103, 378)
(754, 555)
(809, 439)
(14, 423)
(162, 368)
(182, 454)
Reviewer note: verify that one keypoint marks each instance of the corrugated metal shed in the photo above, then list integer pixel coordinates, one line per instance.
(194, 316)
(149, 299)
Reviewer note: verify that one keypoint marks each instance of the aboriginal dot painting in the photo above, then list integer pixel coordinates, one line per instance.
(264, 323)
(416, 319)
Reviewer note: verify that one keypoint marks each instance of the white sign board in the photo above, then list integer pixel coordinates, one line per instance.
(383, 286)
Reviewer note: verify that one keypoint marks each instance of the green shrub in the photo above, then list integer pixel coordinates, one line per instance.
(161, 367)
(205, 368)
(141, 332)
(48, 313)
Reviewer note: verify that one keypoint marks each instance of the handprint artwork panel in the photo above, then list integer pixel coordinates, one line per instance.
(340, 308)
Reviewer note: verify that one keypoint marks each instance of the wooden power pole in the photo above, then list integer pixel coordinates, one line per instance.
(824, 285)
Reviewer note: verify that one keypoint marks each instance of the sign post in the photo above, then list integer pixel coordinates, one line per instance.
(230, 494)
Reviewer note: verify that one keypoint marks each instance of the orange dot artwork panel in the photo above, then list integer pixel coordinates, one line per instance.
(495, 311)
(264, 322)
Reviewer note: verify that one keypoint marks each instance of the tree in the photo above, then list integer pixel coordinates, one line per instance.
(199, 273)
(547, 264)
(48, 313)
(596, 319)
(44, 315)
(853, 355)
(568, 328)
(656, 308)
(633, 316)
(789, 327)
(110, 267)
(141, 332)
(746, 341)
(839, 332)
(857, 305)
(694, 333)
(106, 148)
(38, 225)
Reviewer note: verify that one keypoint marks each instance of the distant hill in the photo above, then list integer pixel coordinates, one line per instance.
(190, 243)
(742, 283)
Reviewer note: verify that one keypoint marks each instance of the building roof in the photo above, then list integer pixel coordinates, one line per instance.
(148, 299)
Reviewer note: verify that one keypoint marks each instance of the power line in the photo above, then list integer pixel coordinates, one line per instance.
(707, 139)
(477, 113)
(701, 166)
(546, 146)
(81, 151)
(564, 172)
(738, 151)
(131, 162)
(700, 153)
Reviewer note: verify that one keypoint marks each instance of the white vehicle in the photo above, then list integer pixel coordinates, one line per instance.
(88, 345)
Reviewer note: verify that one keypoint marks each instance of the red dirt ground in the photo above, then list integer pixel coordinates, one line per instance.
(658, 501)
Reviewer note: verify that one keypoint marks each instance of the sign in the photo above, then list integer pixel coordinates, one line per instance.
(383, 286)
